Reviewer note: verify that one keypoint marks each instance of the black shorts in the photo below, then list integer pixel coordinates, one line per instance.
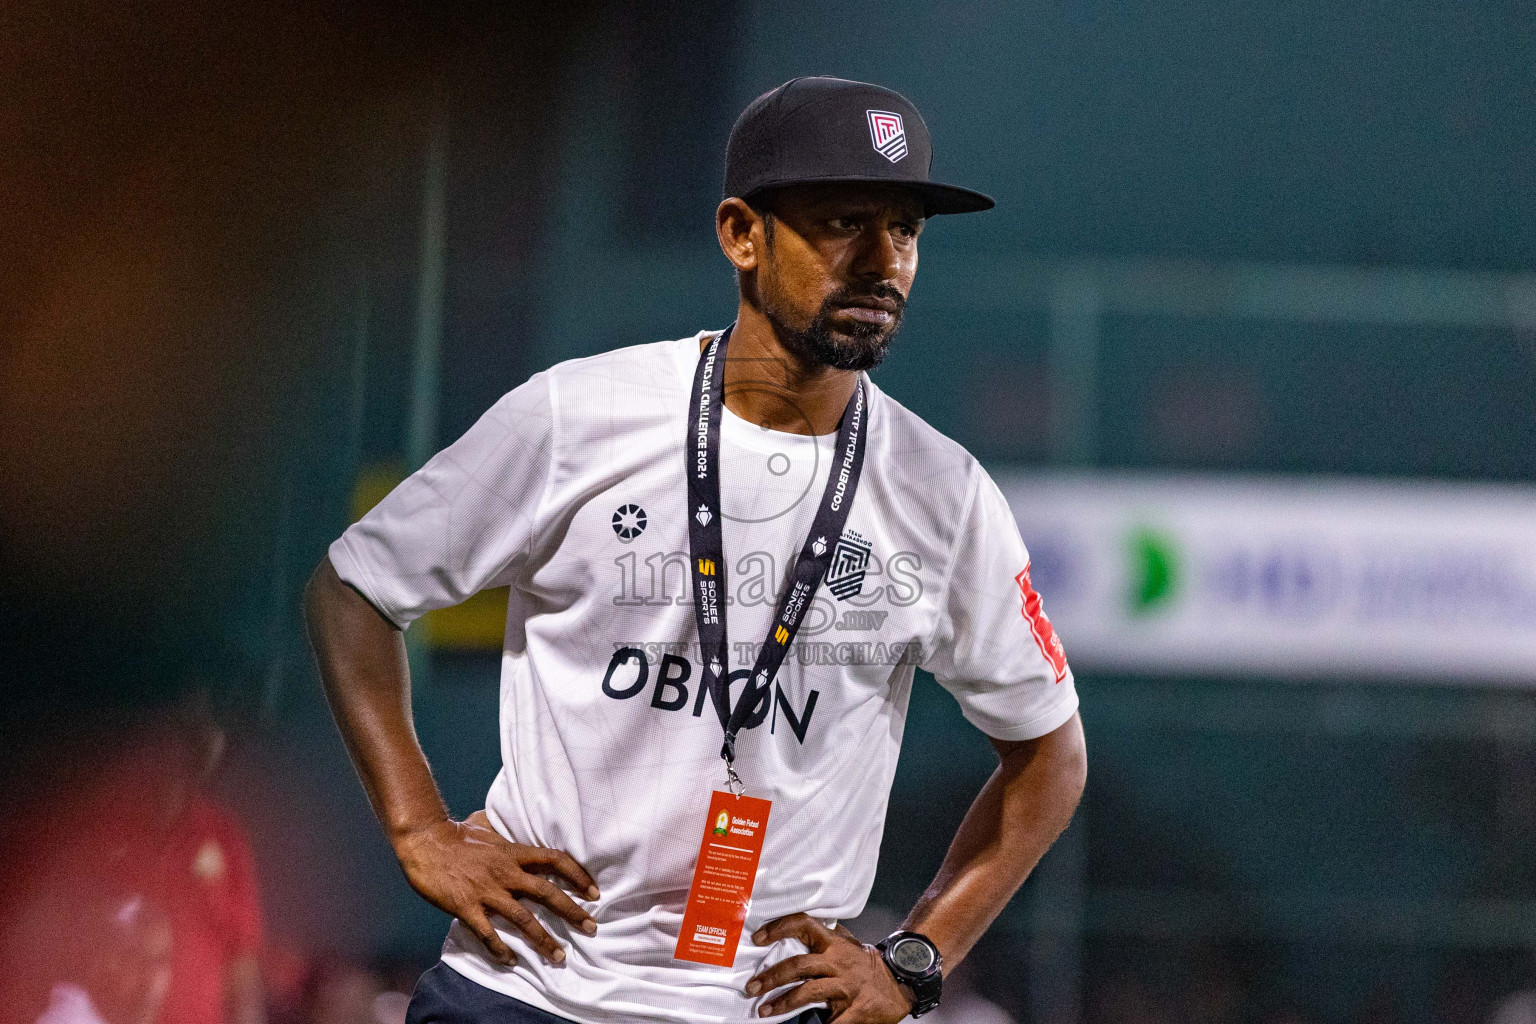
(444, 996)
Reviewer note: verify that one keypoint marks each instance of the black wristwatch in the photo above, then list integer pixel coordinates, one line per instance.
(915, 962)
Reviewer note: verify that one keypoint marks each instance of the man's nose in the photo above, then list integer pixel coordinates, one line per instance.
(877, 257)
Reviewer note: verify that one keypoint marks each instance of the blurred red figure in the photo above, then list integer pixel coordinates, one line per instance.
(206, 881)
(149, 825)
(204, 876)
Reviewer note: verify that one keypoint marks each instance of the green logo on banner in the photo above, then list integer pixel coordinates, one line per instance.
(1154, 575)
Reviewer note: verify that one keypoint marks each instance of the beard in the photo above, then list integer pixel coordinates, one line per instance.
(860, 347)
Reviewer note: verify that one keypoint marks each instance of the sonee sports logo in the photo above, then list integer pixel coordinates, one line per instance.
(887, 134)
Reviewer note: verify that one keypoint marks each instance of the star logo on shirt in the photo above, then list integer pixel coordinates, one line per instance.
(629, 522)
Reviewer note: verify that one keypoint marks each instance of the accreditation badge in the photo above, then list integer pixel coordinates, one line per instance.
(726, 869)
(722, 879)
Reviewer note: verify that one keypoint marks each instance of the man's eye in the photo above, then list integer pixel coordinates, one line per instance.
(846, 224)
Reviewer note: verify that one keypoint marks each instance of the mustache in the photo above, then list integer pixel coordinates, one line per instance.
(882, 292)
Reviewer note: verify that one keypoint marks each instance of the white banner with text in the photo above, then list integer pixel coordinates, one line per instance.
(1313, 577)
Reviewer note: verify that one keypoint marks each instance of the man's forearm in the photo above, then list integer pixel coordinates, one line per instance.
(1012, 822)
(363, 667)
(463, 868)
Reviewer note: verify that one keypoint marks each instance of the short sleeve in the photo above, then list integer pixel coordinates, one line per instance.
(464, 521)
(993, 647)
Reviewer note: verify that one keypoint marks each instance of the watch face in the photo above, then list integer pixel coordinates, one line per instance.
(912, 955)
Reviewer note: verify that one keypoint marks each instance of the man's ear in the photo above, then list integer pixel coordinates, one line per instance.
(741, 231)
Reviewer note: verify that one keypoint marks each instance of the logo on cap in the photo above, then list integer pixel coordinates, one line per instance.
(887, 134)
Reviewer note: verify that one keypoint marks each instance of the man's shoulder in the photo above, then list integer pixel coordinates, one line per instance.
(645, 365)
(620, 382)
(919, 453)
(632, 388)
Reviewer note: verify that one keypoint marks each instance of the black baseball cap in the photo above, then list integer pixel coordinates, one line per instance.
(833, 130)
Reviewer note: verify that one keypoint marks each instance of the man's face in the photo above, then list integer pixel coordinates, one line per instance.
(838, 266)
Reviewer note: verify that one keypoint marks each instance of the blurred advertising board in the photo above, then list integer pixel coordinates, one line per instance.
(1274, 576)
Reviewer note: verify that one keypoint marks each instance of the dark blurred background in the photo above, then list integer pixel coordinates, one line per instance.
(261, 260)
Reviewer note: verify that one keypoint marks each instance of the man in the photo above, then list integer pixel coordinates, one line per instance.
(594, 489)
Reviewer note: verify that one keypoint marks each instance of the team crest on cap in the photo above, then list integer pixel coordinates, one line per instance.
(887, 134)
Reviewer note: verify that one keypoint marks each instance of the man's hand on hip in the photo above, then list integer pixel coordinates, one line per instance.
(850, 977)
(469, 870)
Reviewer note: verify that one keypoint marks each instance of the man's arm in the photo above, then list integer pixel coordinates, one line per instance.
(464, 868)
(1015, 818)
(1018, 814)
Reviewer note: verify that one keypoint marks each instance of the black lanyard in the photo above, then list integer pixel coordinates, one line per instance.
(707, 545)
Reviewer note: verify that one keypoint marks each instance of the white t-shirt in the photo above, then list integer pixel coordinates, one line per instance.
(571, 489)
